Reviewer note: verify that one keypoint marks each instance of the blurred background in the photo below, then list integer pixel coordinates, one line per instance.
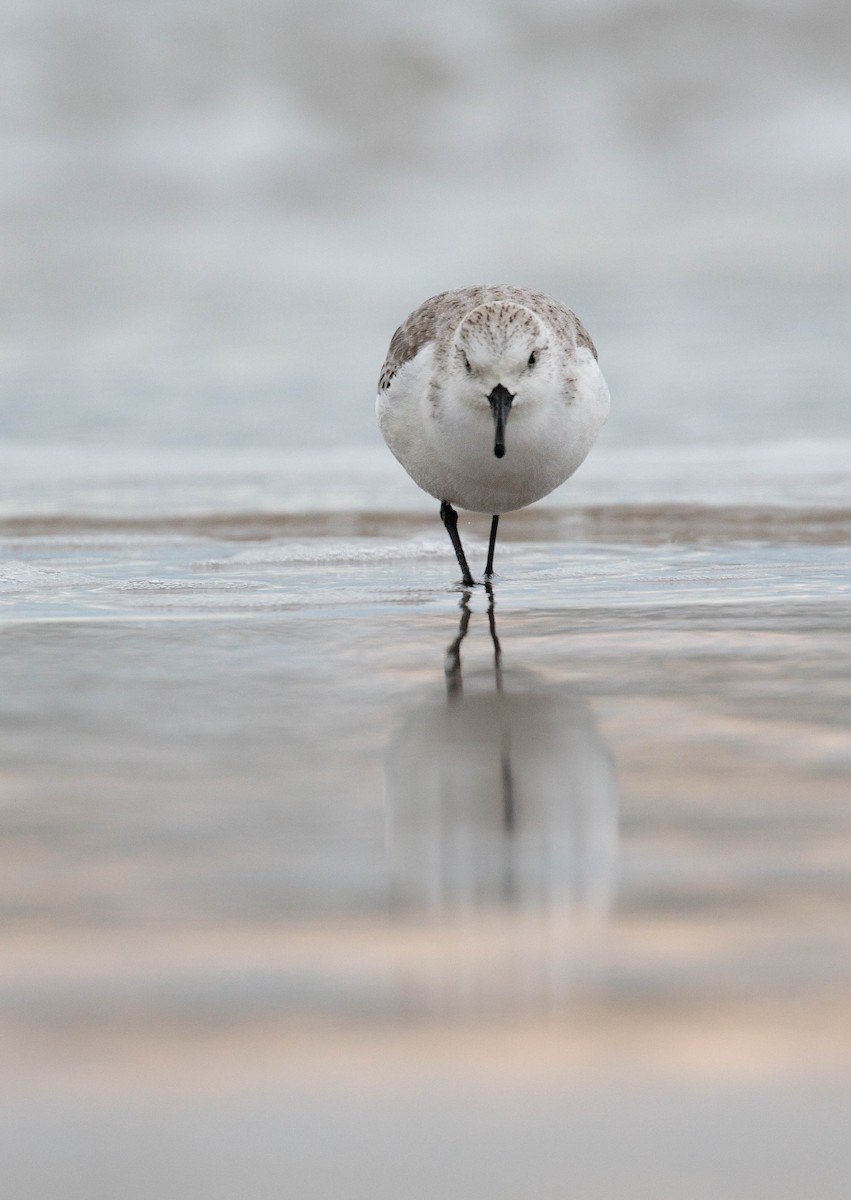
(215, 213)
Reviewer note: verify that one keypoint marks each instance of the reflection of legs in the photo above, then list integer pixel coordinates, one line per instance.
(454, 690)
(450, 519)
(452, 669)
(509, 807)
(509, 813)
(497, 648)
(491, 546)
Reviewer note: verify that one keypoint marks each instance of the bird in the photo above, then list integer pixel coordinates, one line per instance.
(490, 397)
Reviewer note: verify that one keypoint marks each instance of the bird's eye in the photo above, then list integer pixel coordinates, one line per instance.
(533, 358)
(467, 366)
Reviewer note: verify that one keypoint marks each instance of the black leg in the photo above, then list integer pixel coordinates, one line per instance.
(450, 519)
(491, 546)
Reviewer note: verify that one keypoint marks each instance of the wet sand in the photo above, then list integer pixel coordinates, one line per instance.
(299, 888)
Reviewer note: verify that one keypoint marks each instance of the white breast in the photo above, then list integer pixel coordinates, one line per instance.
(448, 450)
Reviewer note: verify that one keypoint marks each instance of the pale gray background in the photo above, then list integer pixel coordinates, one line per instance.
(215, 212)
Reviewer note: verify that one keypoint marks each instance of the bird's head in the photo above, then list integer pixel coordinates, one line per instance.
(501, 361)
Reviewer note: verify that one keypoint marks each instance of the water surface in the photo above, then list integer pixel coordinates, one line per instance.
(286, 832)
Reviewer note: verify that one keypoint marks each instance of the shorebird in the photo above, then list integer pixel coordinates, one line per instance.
(462, 365)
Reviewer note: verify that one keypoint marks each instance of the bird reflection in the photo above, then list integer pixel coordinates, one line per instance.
(501, 795)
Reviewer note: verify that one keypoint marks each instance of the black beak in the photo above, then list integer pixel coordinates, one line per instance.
(500, 401)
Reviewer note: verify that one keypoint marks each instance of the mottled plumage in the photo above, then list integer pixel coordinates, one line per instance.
(490, 397)
(439, 316)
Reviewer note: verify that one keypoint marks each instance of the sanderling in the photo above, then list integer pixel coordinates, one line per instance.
(462, 363)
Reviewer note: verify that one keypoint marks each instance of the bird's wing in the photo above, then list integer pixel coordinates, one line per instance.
(583, 337)
(425, 324)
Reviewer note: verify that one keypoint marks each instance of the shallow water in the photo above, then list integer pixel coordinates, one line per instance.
(291, 840)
